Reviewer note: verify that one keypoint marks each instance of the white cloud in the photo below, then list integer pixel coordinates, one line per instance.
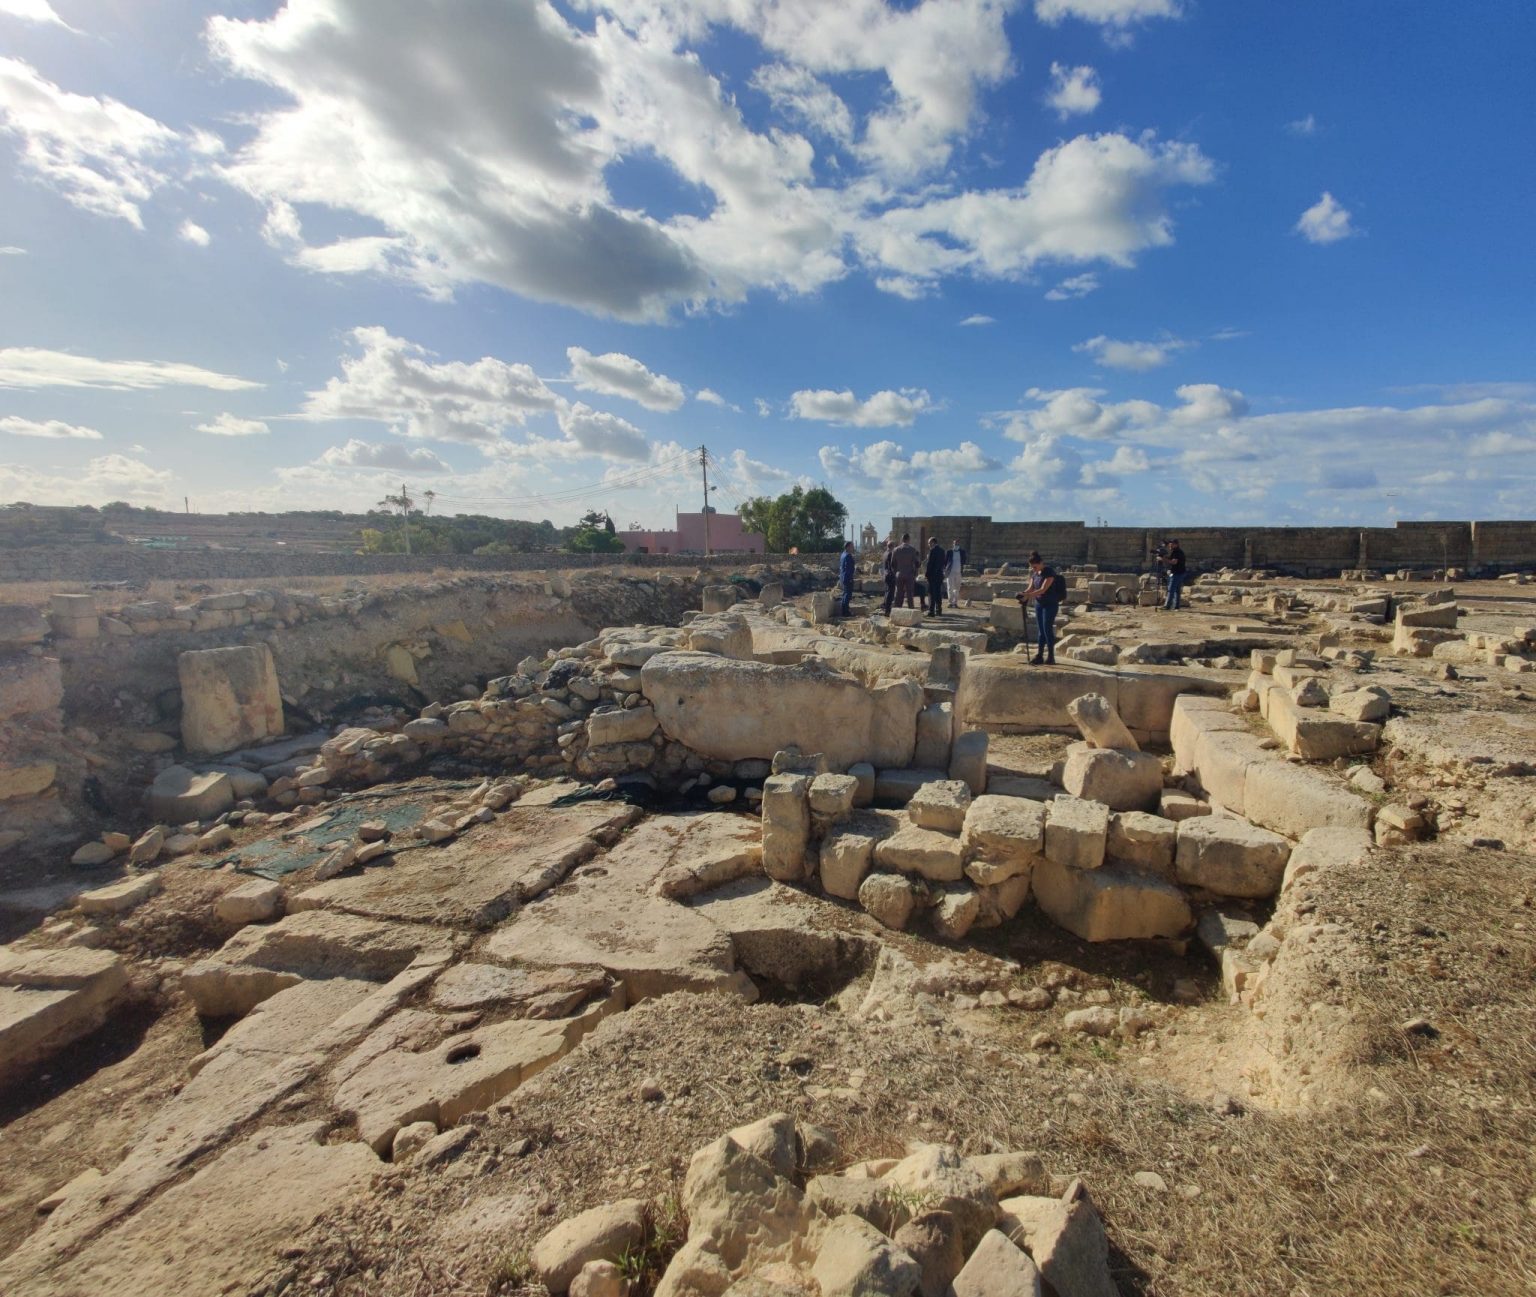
(1501, 443)
(615, 374)
(1208, 403)
(229, 425)
(193, 233)
(976, 320)
(11, 251)
(1325, 221)
(1114, 16)
(33, 367)
(802, 97)
(882, 464)
(711, 397)
(388, 456)
(393, 381)
(1109, 353)
(967, 457)
(1074, 287)
(1125, 461)
(1047, 463)
(603, 434)
(764, 409)
(38, 11)
(1092, 198)
(474, 168)
(101, 155)
(52, 428)
(1073, 90)
(885, 409)
(1077, 412)
(1303, 125)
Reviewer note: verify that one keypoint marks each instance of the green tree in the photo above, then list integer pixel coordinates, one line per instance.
(810, 521)
(592, 540)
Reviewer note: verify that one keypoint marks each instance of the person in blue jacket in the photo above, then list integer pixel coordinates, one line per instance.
(845, 568)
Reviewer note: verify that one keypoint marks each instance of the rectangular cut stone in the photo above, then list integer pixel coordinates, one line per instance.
(1230, 857)
(622, 725)
(1317, 735)
(786, 826)
(968, 760)
(940, 805)
(229, 698)
(911, 850)
(896, 787)
(1109, 904)
(906, 616)
(833, 795)
(1143, 842)
(1123, 781)
(846, 855)
(1076, 832)
(935, 731)
(1002, 838)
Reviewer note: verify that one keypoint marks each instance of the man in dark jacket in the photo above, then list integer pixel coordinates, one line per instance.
(889, 573)
(1046, 591)
(845, 571)
(1176, 575)
(904, 563)
(933, 573)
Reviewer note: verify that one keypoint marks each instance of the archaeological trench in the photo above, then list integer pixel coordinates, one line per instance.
(652, 930)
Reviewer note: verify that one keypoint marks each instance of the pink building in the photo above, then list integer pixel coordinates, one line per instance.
(725, 537)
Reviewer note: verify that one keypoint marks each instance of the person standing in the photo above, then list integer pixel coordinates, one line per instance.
(889, 572)
(1176, 575)
(1046, 591)
(845, 571)
(954, 570)
(933, 573)
(904, 563)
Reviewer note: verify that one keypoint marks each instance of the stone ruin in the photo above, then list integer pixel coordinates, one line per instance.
(422, 960)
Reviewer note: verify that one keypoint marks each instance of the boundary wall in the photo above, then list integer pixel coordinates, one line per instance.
(1477, 547)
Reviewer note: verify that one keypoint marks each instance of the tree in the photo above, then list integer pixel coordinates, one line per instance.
(593, 540)
(810, 521)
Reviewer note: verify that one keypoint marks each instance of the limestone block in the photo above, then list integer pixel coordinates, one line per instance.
(21, 624)
(1230, 857)
(1441, 616)
(968, 760)
(1007, 615)
(771, 595)
(719, 598)
(1002, 837)
(932, 1239)
(179, 795)
(935, 732)
(792, 761)
(119, 898)
(400, 663)
(731, 710)
(1142, 841)
(90, 855)
(75, 627)
(786, 827)
(898, 787)
(254, 902)
(1123, 781)
(1100, 724)
(621, 725)
(602, 1233)
(997, 1268)
(940, 805)
(1176, 806)
(930, 855)
(26, 780)
(948, 1182)
(1291, 799)
(1001, 901)
(1066, 1240)
(1318, 736)
(51, 998)
(958, 908)
(1372, 703)
(889, 899)
(832, 796)
(846, 856)
(862, 771)
(1076, 832)
(1109, 904)
(856, 1260)
(29, 684)
(728, 636)
(229, 698)
(906, 616)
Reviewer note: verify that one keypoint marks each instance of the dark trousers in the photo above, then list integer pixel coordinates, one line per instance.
(847, 597)
(1045, 626)
(890, 591)
(905, 586)
(935, 596)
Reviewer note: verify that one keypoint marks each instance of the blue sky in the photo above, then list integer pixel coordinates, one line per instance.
(1151, 261)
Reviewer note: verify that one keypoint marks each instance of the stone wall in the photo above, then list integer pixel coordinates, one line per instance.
(1482, 547)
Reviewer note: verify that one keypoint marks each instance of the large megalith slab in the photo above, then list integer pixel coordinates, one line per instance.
(229, 698)
(734, 710)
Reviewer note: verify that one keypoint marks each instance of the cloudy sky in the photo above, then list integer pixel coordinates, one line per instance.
(1151, 261)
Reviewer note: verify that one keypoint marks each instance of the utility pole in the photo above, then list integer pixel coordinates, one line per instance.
(704, 469)
(405, 516)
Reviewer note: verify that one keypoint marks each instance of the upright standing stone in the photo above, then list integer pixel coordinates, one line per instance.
(229, 698)
(719, 598)
(786, 827)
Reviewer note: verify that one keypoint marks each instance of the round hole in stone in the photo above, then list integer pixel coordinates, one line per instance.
(463, 1053)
